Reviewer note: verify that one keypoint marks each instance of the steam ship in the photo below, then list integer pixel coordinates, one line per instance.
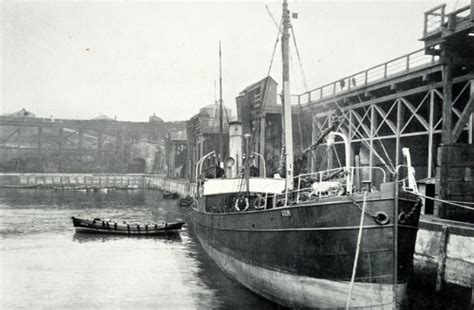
(313, 240)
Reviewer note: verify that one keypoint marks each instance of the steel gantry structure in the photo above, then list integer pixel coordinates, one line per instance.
(32, 144)
(420, 100)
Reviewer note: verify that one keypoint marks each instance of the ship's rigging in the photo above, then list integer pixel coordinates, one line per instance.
(338, 118)
(305, 153)
(238, 215)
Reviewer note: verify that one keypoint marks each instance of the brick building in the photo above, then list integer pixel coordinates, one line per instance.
(202, 132)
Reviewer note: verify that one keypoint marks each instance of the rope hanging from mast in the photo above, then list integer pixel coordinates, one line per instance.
(380, 141)
(278, 26)
(221, 121)
(364, 140)
(322, 136)
(300, 113)
(303, 76)
(274, 50)
(264, 101)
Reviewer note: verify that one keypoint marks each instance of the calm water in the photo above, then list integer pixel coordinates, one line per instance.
(45, 265)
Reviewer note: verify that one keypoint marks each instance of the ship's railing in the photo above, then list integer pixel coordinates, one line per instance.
(199, 171)
(282, 199)
(384, 174)
(400, 65)
(319, 175)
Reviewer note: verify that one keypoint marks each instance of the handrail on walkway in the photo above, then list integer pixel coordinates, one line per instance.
(399, 65)
(437, 20)
(434, 19)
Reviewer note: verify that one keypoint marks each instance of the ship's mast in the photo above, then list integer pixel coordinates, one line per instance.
(221, 121)
(286, 96)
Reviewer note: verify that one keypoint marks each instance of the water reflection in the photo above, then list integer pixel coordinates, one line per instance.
(72, 199)
(43, 256)
(95, 237)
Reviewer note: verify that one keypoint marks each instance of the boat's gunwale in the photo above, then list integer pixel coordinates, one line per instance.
(304, 204)
(81, 229)
(333, 228)
(87, 225)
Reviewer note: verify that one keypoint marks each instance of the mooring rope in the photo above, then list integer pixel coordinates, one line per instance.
(446, 202)
(465, 202)
(372, 215)
(356, 258)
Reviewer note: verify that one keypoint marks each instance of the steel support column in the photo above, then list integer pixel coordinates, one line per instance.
(40, 148)
(430, 135)
(330, 152)
(119, 150)
(371, 143)
(60, 149)
(262, 145)
(447, 103)
(471, 98)
(18, 139)
(314, 136)
(446, 133)
(80, 146)
(100, 148)
(464, 116)
(395, 209)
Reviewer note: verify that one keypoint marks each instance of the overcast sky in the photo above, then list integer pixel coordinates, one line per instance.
(79, 59)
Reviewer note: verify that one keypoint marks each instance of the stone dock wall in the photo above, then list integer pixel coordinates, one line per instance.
(444, 252)
(61, 180)
(26, 180)
(182, 187)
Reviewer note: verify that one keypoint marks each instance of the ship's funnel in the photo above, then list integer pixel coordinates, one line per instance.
(235, 149)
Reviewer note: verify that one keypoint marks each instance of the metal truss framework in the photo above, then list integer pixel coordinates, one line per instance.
(415, 112)
(26, 138)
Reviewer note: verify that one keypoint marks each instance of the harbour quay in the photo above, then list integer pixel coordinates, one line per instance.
(72, 181)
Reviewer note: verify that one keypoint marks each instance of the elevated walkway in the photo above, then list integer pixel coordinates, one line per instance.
(452, 34)
(93, 124)
(440, 28)
(376, 81)
(423, 100)
(406, 98)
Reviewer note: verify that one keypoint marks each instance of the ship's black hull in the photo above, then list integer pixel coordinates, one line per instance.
(311, 249)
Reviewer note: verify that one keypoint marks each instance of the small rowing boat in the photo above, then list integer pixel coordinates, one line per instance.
(169, 194)
(111, 227)
(186, 201)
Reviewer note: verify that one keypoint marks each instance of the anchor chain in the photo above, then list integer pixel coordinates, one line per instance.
(372, 215)
(403, 217)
